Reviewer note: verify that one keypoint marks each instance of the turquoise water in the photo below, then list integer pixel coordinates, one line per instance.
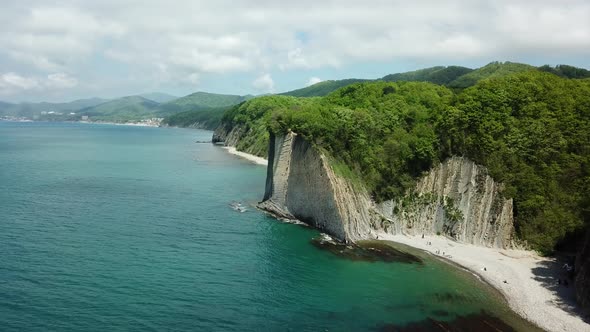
(129, 229)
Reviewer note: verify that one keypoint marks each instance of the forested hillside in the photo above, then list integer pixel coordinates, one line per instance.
(199, 101)
(120, 110)
(322, 88)
(438, 75)
(531, 129)
(208, 118)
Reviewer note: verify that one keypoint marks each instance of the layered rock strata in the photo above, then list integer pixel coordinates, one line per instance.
(457, 198)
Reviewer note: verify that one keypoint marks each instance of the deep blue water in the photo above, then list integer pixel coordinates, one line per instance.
(129, 229)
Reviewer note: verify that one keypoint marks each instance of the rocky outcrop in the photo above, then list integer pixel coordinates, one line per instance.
(457, 199)
(582, 273)
(243, 138)
(229, 136)
(301, 185)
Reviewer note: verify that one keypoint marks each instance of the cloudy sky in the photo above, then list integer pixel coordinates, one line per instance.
(63, 50)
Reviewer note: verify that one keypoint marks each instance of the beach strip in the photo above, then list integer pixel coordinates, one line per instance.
(527, 280)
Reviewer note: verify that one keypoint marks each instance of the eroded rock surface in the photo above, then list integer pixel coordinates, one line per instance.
(457, 199)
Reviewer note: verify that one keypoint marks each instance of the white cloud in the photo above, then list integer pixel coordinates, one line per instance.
(11, 83)
(118, 55)
(264, 83)
(193, 78)
(313, 80)
(97, 39)
(60, 81)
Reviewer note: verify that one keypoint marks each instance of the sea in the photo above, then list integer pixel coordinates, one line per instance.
(124, 228)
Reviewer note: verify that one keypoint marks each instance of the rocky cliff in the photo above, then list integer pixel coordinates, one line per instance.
(301, 185)
(457, 199)
(242, 138)
(583, 273)
(229, 136)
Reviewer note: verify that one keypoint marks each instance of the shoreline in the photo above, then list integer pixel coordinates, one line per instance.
(531, 289)
(133, 124)
(255, 159)
(526, 281)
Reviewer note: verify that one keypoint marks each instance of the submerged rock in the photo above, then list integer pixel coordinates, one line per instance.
(369, 251)
(481, 322)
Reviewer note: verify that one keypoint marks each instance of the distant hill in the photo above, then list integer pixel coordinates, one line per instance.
(199, 109)
(438, 75)
(322, 88)
(32, 110)
(200, 101)
(121, 109)
(158, 97)
(5, 106)
(494, 69)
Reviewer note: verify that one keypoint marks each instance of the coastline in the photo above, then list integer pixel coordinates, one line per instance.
(255, 159)
(527, 281)
(531, 288)
(134, 124)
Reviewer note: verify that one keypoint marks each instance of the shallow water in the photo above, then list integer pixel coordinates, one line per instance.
(131, 229)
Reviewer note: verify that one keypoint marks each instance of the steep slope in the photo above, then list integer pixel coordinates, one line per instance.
(301, 185)
(457, 198)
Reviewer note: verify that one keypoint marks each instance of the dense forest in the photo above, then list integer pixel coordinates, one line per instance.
(531, 128)
(206, 118)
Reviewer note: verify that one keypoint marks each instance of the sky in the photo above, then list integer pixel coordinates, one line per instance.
(66, 50)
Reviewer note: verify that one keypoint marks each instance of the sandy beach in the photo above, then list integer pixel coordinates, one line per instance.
(531, 287)
(250, 157)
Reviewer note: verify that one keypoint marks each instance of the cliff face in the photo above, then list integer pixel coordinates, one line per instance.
(583, 274)
(228, 136)
(240, 137)
(301, 185)
(457, 199)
